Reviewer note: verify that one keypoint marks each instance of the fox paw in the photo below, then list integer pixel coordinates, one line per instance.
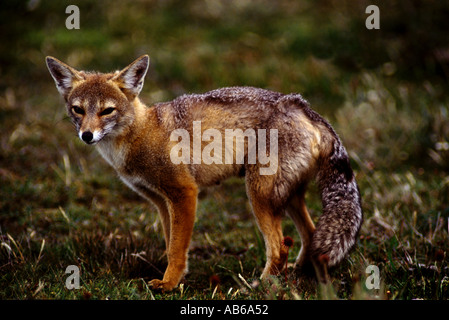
(161, 285)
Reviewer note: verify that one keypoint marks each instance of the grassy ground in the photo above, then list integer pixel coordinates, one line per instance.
(384, 91)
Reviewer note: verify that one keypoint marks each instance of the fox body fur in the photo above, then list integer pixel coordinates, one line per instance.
(135, 140)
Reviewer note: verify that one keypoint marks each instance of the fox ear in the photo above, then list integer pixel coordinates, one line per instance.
(63, 75)
(131, 78)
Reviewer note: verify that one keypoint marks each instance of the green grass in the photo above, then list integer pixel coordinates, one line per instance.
(61, 205)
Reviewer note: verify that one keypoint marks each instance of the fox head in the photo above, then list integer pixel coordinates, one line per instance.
(99, 105)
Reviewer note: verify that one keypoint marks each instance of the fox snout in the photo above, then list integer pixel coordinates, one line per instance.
(87, 137)
(91, 137)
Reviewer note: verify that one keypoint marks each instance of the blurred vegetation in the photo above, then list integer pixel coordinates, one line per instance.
(384, 91)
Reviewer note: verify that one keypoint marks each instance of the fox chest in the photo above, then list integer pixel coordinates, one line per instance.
(137, 173)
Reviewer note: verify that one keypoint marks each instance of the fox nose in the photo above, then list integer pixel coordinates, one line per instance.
(87, 136)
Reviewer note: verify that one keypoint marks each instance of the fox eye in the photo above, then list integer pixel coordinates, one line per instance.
(78, 110)
(107, 111)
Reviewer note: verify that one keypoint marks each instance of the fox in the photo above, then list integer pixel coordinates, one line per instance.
(138, 142)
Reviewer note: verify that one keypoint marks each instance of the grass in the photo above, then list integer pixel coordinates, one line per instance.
(61, 205)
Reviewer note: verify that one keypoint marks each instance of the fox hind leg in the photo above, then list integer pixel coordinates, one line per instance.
(269, 221)
(297, 210)
(270, 225)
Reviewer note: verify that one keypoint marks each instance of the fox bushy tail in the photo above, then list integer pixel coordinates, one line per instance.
(338, 226)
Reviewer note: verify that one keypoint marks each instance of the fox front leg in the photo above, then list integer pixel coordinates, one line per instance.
(182, 208)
